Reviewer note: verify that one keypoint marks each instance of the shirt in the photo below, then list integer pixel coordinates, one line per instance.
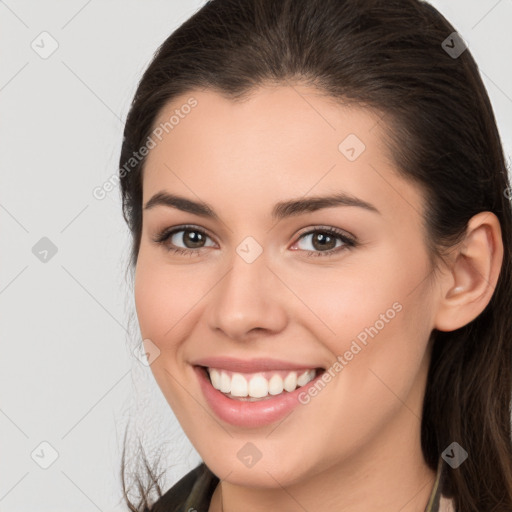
(194, 491)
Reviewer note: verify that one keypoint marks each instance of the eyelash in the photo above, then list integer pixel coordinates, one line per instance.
(348, 242)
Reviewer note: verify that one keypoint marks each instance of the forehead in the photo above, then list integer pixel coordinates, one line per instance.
(280, 141)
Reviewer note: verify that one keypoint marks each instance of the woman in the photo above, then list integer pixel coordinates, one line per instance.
(321, 226)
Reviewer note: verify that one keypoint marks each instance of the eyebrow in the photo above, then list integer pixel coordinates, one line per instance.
(280, 211)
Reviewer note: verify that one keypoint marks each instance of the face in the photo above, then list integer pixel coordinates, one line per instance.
(259, 276)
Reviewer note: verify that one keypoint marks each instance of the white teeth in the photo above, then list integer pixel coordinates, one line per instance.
(215, 378)
(238, 385)
(225, 383)
(304, 378)
(290, 381)
(275, 385)
(256, 385)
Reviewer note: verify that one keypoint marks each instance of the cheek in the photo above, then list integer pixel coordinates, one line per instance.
(165, 299)
(376, 315)
(341, 304)
(164, 302)
(151, 309)
(377, 360)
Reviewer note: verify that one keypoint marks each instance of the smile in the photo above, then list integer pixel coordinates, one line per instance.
(256, 393)
(257, 386)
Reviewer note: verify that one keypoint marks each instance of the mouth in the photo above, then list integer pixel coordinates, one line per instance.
(254, 393)
(258, 386)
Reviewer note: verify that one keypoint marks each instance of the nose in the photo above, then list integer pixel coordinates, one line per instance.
(248, 300)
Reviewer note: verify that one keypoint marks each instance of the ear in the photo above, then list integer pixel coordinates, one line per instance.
(469, 283)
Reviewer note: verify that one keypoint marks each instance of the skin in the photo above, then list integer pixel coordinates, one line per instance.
(356, 446)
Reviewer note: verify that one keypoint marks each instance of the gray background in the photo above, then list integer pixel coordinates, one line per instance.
(68, 377)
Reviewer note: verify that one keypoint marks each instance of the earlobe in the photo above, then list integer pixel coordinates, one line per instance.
(468, 285)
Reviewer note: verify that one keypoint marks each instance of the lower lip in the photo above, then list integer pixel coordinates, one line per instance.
(250, 414)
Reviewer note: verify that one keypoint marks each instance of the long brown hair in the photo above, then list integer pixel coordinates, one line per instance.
(388, 56)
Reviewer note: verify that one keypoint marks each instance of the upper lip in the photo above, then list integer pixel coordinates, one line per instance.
(251, 365)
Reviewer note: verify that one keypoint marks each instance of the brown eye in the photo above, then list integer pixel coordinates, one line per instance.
(324, 242)
(190, 238)
(183, 239)
(319, 241)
